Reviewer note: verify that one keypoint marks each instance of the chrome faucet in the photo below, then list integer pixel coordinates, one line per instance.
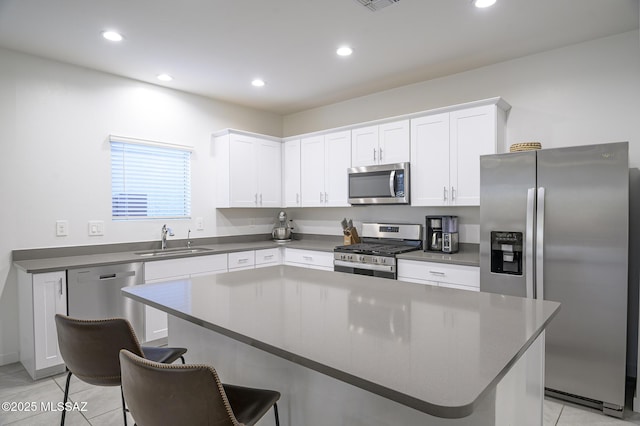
(189, 239)
(165, 231)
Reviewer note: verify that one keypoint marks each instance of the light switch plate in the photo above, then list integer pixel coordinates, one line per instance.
(96, 227)
(62, 228)
(199, 223)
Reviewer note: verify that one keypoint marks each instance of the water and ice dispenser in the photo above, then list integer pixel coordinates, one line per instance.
(506, 252)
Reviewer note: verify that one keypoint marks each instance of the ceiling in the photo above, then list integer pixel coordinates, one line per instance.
(215, 48)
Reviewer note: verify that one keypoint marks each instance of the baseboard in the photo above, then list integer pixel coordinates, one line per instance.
(9, 358)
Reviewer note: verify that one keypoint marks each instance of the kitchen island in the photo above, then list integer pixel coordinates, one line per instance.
(352, 350)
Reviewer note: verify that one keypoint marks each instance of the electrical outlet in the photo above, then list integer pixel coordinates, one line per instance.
(96, 227)
(62, 228)
(199, 223)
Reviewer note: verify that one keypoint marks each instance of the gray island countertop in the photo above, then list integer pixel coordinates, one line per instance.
(434, 349)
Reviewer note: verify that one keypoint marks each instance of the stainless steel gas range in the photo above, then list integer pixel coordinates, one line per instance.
(376, 254)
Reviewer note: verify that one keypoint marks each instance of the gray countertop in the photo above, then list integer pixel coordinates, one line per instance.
(57, 259)
(469, 255)
(57, 263)
(435, 349)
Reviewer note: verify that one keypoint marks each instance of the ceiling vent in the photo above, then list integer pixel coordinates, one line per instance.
(374, 5)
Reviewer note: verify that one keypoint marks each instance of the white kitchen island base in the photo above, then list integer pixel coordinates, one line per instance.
(310, 398)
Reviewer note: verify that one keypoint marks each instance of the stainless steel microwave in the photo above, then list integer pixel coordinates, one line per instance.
(384, 184)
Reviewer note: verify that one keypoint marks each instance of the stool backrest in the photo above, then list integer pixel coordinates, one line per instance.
(90, 348)
(174, 394)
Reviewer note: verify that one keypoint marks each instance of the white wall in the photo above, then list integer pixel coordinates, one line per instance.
(55, 120)
(582, 94)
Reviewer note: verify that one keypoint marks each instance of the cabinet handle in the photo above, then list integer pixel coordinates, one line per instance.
(453, 193)
(326, 198)
(440, 274)
(269, 256)
(380, 154)
(374, 154)
(307, 258)
(261, 199)
(60, 282)
(297, 198)
(243, 260)
(444, 193)
(321, 197)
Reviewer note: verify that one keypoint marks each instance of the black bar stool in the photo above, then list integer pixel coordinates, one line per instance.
(90, 350)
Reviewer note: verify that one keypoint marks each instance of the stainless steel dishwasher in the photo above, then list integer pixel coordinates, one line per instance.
(95, 293)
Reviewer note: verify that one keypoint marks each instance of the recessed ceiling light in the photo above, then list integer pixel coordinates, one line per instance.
(165, 77)
(344, 51)
(112, 36)
(258, 82)
(483, 3)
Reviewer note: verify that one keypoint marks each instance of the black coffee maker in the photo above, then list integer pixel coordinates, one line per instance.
(442, 234)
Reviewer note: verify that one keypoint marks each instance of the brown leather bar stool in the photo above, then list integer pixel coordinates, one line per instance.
(161, 394)
(90, 350)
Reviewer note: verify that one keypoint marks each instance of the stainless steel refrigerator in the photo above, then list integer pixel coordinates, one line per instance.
(554, 226)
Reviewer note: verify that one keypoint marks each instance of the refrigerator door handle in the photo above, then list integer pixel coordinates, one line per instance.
(540, 246)
(529, 277)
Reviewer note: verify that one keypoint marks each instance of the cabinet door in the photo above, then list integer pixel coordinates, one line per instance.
(337, 161)
(473, 133)
(49, 299)
(312, 171)
(243, 191)
(269, 160)
(292, 195)
(394, 144)
(364, 146)
(430, 160)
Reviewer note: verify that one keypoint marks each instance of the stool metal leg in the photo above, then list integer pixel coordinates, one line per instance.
(182, 358)
(66, 396)
(124, 408)
(275, 410)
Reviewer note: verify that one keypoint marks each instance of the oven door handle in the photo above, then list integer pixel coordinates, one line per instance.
(368, 266)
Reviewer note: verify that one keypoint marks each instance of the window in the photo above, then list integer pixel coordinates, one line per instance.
(149, 180)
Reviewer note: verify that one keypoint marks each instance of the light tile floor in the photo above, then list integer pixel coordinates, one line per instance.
(103, 404)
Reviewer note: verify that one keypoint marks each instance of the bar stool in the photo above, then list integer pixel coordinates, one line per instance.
(161, 394)
(90, 350)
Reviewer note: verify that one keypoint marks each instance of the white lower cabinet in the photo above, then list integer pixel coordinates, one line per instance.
(309, 259)
(242, 260)
(155, 321)
(439, 274)
(40, 298)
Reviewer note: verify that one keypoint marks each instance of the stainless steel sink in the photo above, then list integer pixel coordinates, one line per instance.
(172, 252)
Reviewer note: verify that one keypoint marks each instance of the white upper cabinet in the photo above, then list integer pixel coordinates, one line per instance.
(380, 144)
(324, 163)
(445, 154)
(291, 174)
(249, 170)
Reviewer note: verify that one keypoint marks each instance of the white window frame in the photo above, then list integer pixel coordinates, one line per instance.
(149, 180)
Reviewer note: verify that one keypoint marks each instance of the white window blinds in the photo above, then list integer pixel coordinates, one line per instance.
(149, 180)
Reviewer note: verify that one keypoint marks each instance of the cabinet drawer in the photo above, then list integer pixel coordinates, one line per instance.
(268, 257)
(468, 276)
(310, 258)
(242, 260)
(172, 268)
(453, 274)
